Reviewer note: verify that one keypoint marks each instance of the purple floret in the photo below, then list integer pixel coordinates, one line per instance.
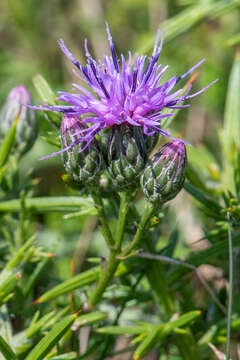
(126, 91)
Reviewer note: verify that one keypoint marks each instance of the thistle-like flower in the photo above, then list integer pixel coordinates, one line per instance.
(124, 92)
(27, 127)
(164, 175)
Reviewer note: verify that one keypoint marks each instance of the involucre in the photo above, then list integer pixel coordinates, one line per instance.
(126, 156)
(83, 164)
(164, 175)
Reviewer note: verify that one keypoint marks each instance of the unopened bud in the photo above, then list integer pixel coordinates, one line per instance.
(150, 142)
(83, 165)
(127, 155)
(164, 175)
(27, 127)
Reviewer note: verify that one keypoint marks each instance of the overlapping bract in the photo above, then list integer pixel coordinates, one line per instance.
(164, 175)
(83, 166)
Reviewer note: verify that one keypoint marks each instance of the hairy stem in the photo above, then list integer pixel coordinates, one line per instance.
(141, 227)
(115, 248)
(230, 301)
(105, 230)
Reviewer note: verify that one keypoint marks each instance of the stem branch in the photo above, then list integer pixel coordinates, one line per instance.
(230, 300)
(115, 248)
(141, 227)
(105, 230)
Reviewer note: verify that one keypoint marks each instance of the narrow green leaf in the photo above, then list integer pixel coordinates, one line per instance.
(40, 324)
(201, 158)
(43, 204)
(48, 97)
(120, 330)
(230, 134)
(160, 331)
(2, 172)
(75, 282)
(8, 142)
(204, 199)
(21, 253)
(194, 177)
(186, 19)
(231, 125)
(148, 343)
(68, 356)
(208, 336)
(44, 90)
(90, 318)
(32, 279)
(8, 282)
(6, 350)
(181, 321)
(52, 338)
(80, 213)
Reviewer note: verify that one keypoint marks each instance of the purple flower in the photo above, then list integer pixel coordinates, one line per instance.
(124, 91)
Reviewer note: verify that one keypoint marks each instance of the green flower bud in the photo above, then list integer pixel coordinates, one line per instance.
(164, 175)
(127, 155)
(27, 127)
(83, 165)
(150, 142)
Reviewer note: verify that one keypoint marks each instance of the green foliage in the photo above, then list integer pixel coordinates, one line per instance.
(64, 292)
(6, 350)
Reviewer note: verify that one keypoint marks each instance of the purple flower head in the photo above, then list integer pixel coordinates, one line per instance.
(124, 91)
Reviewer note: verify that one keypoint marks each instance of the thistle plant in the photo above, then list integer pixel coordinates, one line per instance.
(123, 168)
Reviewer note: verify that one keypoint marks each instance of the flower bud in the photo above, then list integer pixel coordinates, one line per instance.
(83, 165)
(27, 127)
(164, 175)
(150, 142)
(127, 155)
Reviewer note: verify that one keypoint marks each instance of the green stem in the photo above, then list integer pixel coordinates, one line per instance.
(230, 300)
(141, 227)
(121, 221)
(104, 280)
(113, 260)
(105, 228)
